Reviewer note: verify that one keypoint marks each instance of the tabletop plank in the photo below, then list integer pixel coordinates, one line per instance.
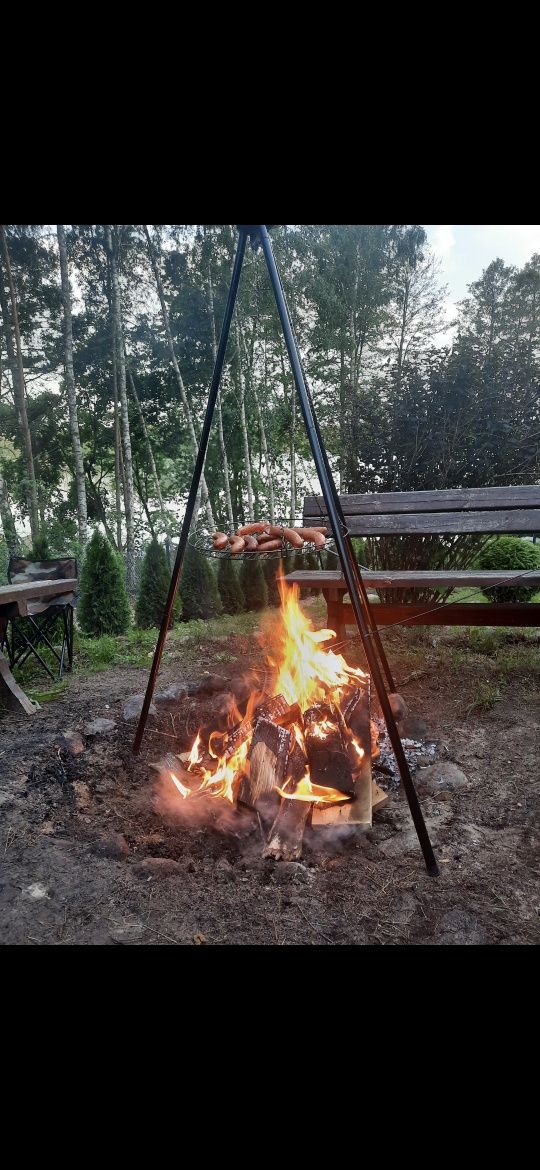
(10, 594)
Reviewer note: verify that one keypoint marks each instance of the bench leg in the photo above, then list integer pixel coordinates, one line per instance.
(334, 612)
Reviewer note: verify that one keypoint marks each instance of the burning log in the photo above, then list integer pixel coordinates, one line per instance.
(355, 710)
(269, 709)
(326, 746)
(292, 715)
(285, 839)
(268, 764)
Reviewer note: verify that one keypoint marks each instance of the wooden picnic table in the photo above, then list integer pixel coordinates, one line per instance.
(14, 602)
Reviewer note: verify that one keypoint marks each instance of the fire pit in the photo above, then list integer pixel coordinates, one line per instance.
(297, 751)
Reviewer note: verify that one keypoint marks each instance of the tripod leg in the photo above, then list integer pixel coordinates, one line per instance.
(351, 571)
(359, 580)
(199, 464)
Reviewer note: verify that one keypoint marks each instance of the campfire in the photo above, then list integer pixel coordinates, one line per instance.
(301, 750)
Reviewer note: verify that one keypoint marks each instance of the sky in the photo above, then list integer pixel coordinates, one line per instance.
(464, 250)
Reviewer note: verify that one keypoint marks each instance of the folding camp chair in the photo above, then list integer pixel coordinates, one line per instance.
(25, 635)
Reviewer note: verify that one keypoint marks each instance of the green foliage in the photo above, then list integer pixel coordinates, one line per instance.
(359, 546)
(4, 558)
(270, 568)
(40, 550)
(154, 588)
(103, 605)
(253, 583)
(96, 653)
(510, 552)
(485, 696)
(198, 587)
(230, 589)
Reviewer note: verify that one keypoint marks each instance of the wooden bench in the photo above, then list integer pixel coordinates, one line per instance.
(458, 511)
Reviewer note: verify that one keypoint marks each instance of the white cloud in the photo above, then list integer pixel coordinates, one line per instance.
(442, 239)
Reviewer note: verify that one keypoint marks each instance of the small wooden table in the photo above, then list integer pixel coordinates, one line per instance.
(14, 602)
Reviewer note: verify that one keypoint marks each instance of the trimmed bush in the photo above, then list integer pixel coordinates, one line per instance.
(153, 590)
(359, 546)
(510, 552)
(253, 583)
(230, 589)
(311, 562)
(40, 549)
(103, 606)
(270, 568)
(198, 587)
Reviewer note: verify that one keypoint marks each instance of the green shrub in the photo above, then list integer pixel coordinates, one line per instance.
(198, 587)
(270, 568)
(253, 583)
(40, 550)
(230, 589)
(507, 553)
(103, 606)
(359, 546)
(154, 588)
(4, 558)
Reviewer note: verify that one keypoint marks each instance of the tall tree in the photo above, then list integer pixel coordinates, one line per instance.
(6, 516)
(124, 415)
(180, 382)
(19, 390)
(243, 420)
(149, 451)
(82, 510)
(223, 448)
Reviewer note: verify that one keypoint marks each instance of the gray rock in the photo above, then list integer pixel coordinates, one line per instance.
(133, 708)
(293, 872)
(115, 846)
(224, 870)
(157, 867)
(71, 742)
(398, 705)
(412, 727)
(99, 727)
(442, 775)
(126, 933)
(172, 694)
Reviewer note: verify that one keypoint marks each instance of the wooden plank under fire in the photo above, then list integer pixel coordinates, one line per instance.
(359, 811)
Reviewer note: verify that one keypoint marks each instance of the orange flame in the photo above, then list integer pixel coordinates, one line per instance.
(314, 793)
(306, 673)
(181, 787)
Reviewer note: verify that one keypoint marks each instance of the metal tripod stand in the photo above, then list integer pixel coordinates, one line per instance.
(367, 628)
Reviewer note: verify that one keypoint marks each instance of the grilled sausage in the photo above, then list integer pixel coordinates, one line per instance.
(250, 529)
(220, 540)
(313, 536)
(251, 544)
(290, 534)
(237, 545)
(269, 546)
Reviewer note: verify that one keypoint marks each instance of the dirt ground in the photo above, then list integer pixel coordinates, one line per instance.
(75, 829)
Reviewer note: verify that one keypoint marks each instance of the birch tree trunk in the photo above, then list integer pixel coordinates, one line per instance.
(150, 453)
(124, 416)
(292, 451)
(82, 511)
(19, 392)
(219, 410)
(117, 440)
(180, 382)
(243, 422)
(262, 429)
(8, 523)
